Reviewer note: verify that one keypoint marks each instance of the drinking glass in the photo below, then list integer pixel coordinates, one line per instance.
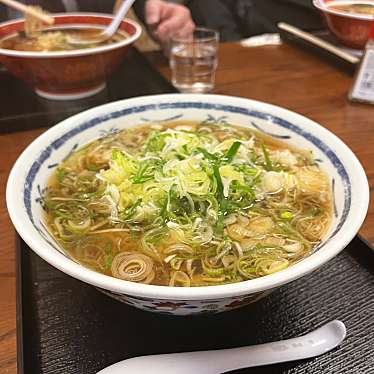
(193, 60)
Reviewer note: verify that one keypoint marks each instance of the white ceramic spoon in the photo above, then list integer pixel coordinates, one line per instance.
(105, 34)
(315, 343)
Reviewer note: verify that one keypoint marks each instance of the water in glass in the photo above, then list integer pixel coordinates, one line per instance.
(193, 67)
(193, 60)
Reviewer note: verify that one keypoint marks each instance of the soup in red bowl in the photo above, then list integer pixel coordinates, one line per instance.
(58, 71)
(350, 21)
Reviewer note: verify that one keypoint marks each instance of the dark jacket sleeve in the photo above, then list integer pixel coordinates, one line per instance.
(139, 9)
(236, 19)
(215, 14)
(3, 13)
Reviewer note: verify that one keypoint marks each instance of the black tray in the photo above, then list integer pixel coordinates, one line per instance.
(66, 326)
(22, 109)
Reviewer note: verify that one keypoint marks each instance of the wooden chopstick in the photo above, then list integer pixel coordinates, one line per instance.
(319, 42)
(117, 4)
(29, 10)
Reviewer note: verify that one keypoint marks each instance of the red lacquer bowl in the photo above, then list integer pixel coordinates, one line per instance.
(351, 29)
(68, 75)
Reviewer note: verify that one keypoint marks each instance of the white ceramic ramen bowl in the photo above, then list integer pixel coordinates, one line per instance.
(31, 171)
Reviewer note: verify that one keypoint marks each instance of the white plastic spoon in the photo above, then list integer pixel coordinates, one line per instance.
(315, 343)
(105, 34)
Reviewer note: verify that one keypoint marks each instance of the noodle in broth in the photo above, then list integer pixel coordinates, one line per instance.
(186, 204)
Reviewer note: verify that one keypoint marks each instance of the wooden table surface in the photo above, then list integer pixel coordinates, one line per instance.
(280, 75)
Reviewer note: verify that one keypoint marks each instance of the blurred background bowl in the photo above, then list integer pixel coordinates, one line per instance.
(350, 29)
(67, 75)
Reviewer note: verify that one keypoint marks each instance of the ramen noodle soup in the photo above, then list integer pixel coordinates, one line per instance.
(188, 204)
(365, 8)
(55, 39)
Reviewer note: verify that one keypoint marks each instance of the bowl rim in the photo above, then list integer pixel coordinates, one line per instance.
(68, 266)
(323, 6)
(77, 52)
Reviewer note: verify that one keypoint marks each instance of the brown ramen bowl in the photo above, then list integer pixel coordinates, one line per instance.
(67, 75)
(350, 29)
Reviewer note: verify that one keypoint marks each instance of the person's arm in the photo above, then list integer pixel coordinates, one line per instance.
(164, 19)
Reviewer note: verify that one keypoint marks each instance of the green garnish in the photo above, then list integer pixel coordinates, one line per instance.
(61, 173)
(232, 151)
(131, 212)
(207, 155)
(190, 204)
(268, 163)
(287, 215)
(143, 174)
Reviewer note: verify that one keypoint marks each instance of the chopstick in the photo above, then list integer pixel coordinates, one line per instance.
(29, 10)
(117, 5)
(319, 42)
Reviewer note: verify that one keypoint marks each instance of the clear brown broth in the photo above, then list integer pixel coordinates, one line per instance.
(354, 8)
(53, 40)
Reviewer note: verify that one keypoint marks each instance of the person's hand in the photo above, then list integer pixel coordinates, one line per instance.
(165, 19)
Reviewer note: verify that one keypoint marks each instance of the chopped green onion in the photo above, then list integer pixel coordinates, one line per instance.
(108, 262)
(268, 163)
(222, 201)
(287, 215)
(207, 155)
(230, 154)
(93, 167)
(185, 148)
(214, 271)
(218, 178)
(141, 175)
(61, 173)
(130, 213)
(314, 211)
(65, 215)
(155, 143)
